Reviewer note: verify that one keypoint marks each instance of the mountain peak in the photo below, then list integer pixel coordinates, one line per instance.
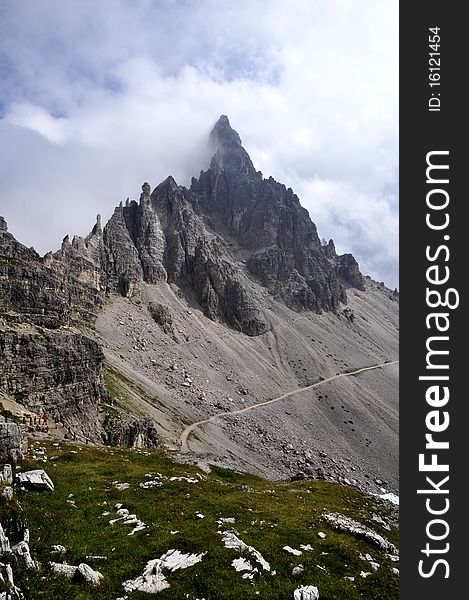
(223, 135)
(230, 156)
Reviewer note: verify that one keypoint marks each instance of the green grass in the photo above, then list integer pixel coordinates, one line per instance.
(268, 516)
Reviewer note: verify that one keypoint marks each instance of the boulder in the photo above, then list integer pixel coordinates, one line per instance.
(82, 572)
(88, 574)
(307, 592)
(7, 475)
(37, 479)
(10, 442)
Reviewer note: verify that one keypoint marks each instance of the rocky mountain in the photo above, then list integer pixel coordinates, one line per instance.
(204, 301)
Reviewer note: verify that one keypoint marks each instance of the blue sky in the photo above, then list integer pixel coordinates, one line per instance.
(97, 97)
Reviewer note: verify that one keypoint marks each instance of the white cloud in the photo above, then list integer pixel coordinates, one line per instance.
(99, 97)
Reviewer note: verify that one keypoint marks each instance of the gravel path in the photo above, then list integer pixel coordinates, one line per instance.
(184, 438)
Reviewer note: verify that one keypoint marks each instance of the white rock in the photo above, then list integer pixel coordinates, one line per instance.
(364, 574)
(293, 551)
(139, 527)
(321, 534)
(322, 568)
(230, 520)
(241, 564)
(152, 579)
(4, 542)
(146, 485)
(393, 557)
(83, 571)
(298, 569)
(231, 540)
(395, 571)
(374, 566)
(121, 486)
(37, 479)
(8, 493)
(343, 523)
(13, 592)
(390, 497)
(174, 559)
(306, 547)
(22, 549)
(7, 475)
(307, 592)
(64, 569)
(89, 575)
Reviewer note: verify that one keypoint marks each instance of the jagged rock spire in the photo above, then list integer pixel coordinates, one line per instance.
(224, 135)
(230, 156)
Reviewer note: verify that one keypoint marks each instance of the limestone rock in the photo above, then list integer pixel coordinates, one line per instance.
(162, 316)
(10, 442)
(7, 493)
(343, 523)
(4, 542)
(64, 569)
(57, 372)
(37, 290)
(37, 479)
(82, 572)
(89, 575)
(271, 227)
(22, 549)
(293, 551)
(196, 259)
(133, 432)
(7, 475)
(12, 591)
(307, 592)
(153, 579)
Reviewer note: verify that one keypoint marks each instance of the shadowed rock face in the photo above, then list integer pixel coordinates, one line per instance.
(198, 261)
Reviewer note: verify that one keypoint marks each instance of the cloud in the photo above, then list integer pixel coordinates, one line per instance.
(99, 97)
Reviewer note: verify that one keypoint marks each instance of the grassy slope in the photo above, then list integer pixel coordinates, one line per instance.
(268, 516)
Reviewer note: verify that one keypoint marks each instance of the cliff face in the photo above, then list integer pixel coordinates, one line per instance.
(46, 365)
(35, 290)
(54, 372)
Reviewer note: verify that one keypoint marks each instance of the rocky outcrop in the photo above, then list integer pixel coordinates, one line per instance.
(162, 316)
(34, 290)
(133, 432)
(37, 479)
(10, 442)
(54, 372)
